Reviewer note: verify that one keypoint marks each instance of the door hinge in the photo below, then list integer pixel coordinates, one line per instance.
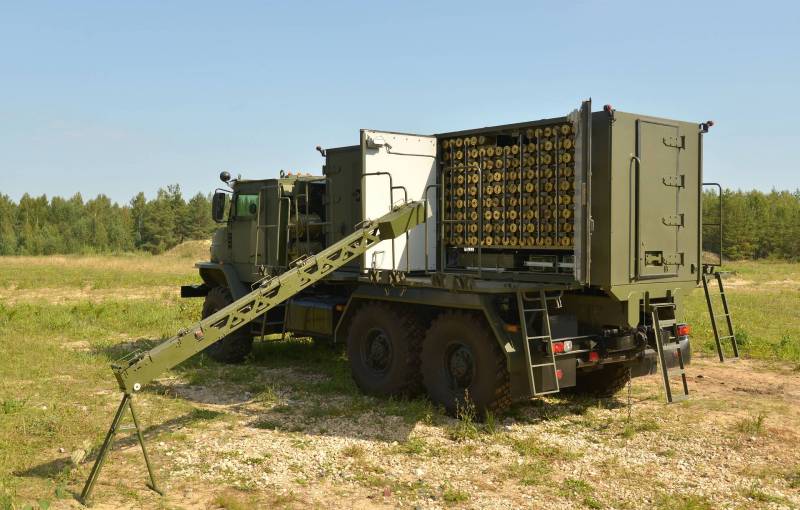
(376, 142)
(674, 180)
(673, 259)
(674, 220)
(677, 142)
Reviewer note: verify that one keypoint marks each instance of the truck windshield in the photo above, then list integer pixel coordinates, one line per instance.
(246, 206)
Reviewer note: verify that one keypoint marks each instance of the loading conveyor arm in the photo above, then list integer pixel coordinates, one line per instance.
(139, 369)
(144, 367)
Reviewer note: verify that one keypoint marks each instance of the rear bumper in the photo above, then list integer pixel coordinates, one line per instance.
(590, 354)
(641, 362)
(193, 291)
(648, 360)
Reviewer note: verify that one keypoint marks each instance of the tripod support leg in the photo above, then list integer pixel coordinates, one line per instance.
(127, 402)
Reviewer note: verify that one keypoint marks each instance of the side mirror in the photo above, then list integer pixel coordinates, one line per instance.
(218, 204)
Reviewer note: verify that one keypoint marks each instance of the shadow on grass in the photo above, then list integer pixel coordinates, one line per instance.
(312, 367)
(557, 407)
(293, 384)
(302, 385)
(58, 467)
(301, 354)
(49, 470)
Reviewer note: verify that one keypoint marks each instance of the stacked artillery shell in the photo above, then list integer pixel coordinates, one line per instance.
(511, 190)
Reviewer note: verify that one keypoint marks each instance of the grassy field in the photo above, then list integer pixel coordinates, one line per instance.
(764, 298)
(289, 429)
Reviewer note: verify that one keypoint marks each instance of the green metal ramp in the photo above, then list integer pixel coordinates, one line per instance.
(139, 368)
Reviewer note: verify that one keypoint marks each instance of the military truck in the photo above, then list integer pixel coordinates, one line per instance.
(493, 264)
(548, 248)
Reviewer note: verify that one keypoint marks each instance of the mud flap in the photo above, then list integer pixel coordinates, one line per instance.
(648, 364)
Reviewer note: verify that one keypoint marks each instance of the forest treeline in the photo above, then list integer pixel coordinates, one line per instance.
(42, 226)
(756, 224)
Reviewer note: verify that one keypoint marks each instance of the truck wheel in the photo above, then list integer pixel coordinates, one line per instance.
(460, 354)
(383, 345)
(234, 347)
(602, 383)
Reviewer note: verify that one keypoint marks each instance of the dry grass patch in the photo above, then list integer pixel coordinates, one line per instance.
(751, 425)
(533, 446)
(673, 501)
(579, 490)
(454, 496)
(529, 472)
(354, 451)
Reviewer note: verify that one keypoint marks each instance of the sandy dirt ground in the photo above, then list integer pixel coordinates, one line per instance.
(734, 444)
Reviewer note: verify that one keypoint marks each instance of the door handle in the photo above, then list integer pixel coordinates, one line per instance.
(633, 224)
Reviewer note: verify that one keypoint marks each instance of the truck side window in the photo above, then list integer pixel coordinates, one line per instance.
(246, 206)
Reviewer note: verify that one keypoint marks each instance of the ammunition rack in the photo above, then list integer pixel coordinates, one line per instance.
(510, 190)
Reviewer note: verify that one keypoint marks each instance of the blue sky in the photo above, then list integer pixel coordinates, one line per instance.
(120, 97)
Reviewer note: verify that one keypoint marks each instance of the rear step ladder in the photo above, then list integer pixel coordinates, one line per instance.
(708, 273)
(281, 323)
(541, 362)
(666, 373)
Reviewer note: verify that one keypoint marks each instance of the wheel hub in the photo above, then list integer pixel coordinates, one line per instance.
(378, 350)
(460, 365)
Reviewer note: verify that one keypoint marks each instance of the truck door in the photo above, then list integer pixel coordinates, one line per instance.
(242, 230)
(271, 245)
(396, 167)
(659, 212)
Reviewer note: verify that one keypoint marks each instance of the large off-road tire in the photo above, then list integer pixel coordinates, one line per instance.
(383, 345)
(234, 347)
(461, 354)
(602, 383)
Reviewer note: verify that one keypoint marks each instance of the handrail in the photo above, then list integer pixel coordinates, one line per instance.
(391, 197)
(425, 197)
(719, 224)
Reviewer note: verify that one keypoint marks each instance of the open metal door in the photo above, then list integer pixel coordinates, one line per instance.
(583, 192)
(398, 167)
(272, 226)
(659, 216)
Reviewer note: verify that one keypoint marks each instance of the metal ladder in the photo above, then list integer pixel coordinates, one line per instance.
(708, 273)
(658, 323)
(541, 363)
(281, 323)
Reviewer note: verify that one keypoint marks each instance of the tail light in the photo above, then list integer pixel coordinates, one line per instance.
(562, 347)
(594, 356)
(683, 330)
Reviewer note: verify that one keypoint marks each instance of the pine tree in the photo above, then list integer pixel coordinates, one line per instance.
(159, 224)
(8, 227)
(138, 205)
(197, 222)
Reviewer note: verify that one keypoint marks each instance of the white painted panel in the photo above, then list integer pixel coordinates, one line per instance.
(411, 162)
